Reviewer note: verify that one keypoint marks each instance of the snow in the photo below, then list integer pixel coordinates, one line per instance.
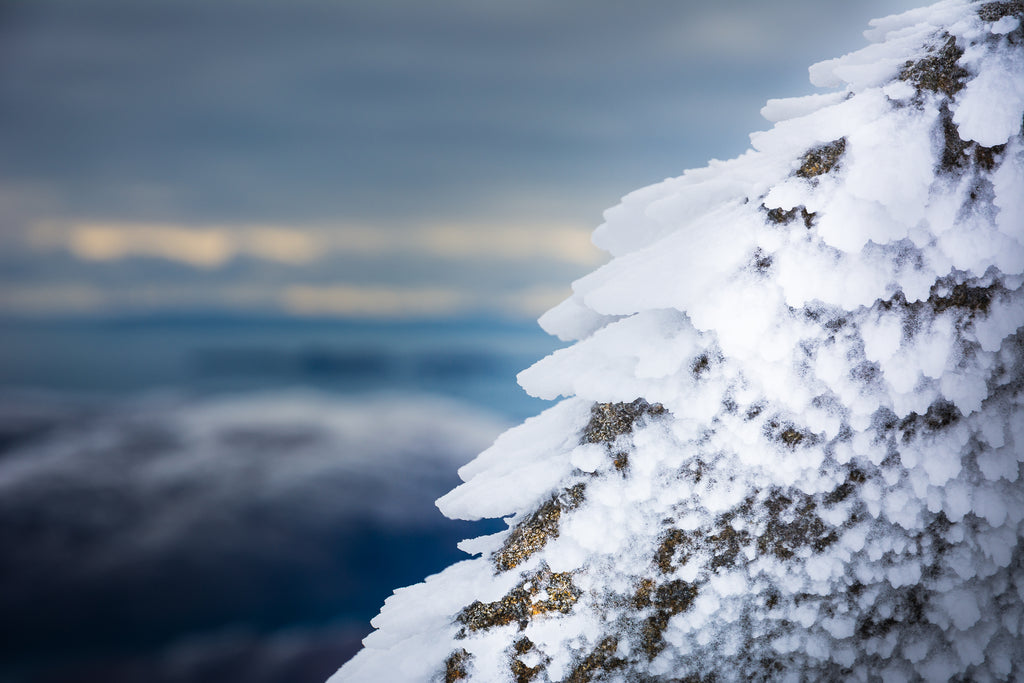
(990, 108)
(520, 463)
(840, 419)
(793, 107)
(1007, 24)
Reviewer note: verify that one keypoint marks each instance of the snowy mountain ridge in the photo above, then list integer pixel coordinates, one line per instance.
(794, 425)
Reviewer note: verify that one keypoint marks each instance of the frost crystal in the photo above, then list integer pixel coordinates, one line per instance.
(792, 437)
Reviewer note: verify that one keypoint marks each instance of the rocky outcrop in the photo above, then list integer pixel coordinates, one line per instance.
(792, 440)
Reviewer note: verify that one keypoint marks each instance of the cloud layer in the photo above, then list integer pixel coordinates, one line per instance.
(307, 132)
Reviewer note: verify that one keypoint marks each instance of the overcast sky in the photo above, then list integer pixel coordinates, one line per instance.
(365, 157)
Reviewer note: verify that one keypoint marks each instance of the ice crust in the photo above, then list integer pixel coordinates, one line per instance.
(848, 336)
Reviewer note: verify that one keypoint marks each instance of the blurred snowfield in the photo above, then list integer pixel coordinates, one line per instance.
(248, 533)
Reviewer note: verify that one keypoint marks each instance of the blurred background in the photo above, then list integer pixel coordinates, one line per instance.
(268, 269)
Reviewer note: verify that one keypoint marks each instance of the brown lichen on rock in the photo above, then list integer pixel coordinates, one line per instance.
(520, 671)
(642, 596)
(938, 72)
(906, 607)
(987, 157)
(821, 160)
(621, 461)
(846, 489)
(954, 148)
(780, 217)
(792, 524)
(455, 667)
(674, 548)
(723, 542)
(781, 524)
(609, 420)
(791, 437)
(726, 544)
(668, 600)
(788, 434)
(994, 11)
(957, 152)
(939, 415)
(513, 608)
(561, 593)
(674, 597)
(539, 593)
(522, 646)
(777, 522)
(651, 640)
(533, 533)
(974, 299)
(601, 659)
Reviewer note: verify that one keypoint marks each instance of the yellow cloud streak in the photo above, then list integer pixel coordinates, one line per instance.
(213, 246)
(371, 301)
(565, 243)
(201, 247)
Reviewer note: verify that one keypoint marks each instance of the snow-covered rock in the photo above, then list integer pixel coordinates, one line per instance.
(792, 437)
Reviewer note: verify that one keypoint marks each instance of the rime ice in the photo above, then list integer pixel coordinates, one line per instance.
(793, 422)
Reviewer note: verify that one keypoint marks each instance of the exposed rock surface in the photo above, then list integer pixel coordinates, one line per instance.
(793, 440)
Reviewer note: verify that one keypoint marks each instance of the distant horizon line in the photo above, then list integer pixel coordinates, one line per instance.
(232, 317)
